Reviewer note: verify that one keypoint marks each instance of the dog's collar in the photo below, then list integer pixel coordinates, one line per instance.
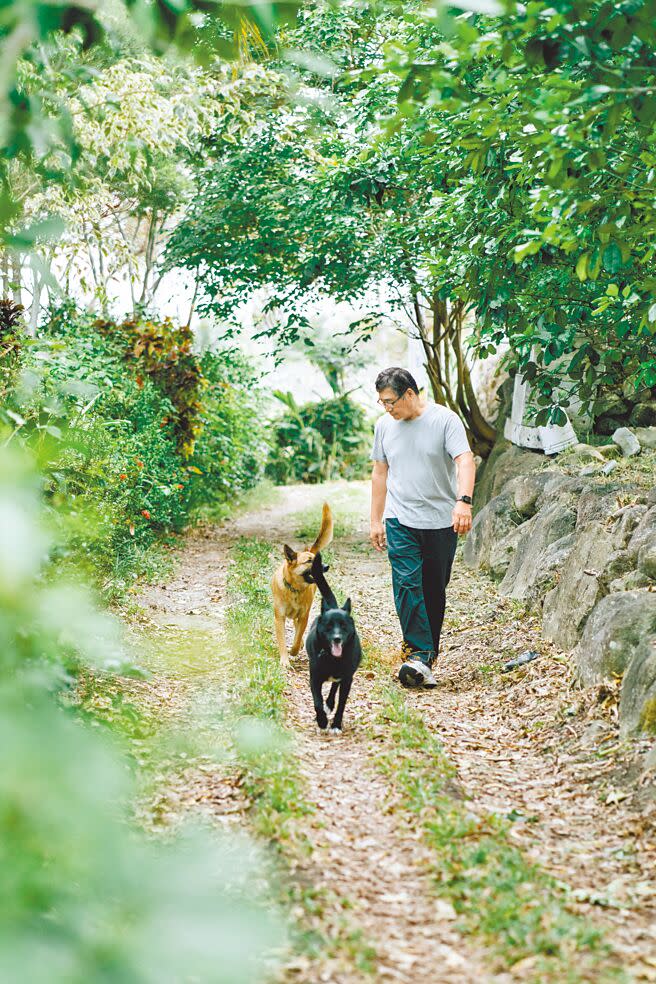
(291, 586)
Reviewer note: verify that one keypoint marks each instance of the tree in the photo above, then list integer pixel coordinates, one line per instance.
(502, 167)
(35, 119)
(306, 203)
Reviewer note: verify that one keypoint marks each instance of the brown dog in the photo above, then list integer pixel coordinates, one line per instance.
(293, 588)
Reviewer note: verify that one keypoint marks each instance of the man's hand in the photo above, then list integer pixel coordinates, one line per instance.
(377, 535)
(462, 518)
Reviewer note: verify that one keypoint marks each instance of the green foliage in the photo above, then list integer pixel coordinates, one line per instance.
(270, 767)
(113, 429)
(11, 322)
(163, 351)
(37, 119)
(271, 773)
(231, 450)
(505, 162)
(84, 898)
(320, 441)
(648, 716)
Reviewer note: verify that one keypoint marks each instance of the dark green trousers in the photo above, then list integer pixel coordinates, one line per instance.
(421, 569)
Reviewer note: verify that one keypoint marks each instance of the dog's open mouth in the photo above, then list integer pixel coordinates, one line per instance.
(336, 648)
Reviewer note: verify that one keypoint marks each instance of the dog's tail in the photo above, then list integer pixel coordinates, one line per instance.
(326, 531)
(318, 568)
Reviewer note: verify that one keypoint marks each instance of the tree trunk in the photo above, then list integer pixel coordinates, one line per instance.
(447, 369)
(16, 273)
(4, 273)
(35, 307)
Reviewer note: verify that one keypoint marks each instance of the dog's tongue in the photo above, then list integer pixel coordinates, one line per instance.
(336, 648)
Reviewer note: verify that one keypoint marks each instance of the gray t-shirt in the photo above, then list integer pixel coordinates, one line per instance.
(421, 481)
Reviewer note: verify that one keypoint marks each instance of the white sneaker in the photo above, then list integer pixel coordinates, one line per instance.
(414, 673)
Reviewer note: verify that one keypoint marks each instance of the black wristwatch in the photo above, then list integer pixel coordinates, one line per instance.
(465, 498)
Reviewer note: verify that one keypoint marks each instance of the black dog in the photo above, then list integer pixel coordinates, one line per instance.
(334, 650)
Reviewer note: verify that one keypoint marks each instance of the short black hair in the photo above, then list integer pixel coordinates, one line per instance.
(397, 379)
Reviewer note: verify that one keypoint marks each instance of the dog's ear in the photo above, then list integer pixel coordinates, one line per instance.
(346, 607)
(289, 553)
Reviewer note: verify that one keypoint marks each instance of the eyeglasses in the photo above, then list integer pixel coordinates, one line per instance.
(388, 404)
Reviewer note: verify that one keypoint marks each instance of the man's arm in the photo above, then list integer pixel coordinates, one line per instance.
(378, 495)
(465, 477)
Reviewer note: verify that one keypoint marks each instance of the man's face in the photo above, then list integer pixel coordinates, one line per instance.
(396, 406)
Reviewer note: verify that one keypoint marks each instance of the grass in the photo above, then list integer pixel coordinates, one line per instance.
(520, 912)
(638, 470)
(272, 779)
(347, 508)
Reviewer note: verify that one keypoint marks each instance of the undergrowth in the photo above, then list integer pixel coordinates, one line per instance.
(520, 912)
(272, 780)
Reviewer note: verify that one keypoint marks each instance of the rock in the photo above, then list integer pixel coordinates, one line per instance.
(595, 732)
(649, 761)
(527, 490)
(608, 450)
(490, 525)
(647, 437)
(626, 441)
(647, 557)
(595, 502)
(619, 565)
(643, 415)
(502, 552)
(591, 470)
(506, 461)
(612, 634)
(605, 426)
(638, 693)
(530, 586)
(627, 520)
(630, 582)
(609, 467)
(533, 565)
(586, 452)
(644, 532)
(651, 498)
(581, 585)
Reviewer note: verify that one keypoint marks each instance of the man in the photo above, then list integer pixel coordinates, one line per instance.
(421, 500)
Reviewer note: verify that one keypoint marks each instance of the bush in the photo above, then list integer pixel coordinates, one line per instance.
(129, 451)
(320, 441)
(231, 450)
(84, 898)
(163, 352)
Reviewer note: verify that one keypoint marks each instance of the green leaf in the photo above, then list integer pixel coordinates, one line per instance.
(582, 266)
(46, 230)
(612, 258)
(526, 249)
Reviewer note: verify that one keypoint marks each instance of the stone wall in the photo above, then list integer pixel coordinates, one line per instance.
(564, 536)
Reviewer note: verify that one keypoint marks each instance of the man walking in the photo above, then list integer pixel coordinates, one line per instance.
(421, 498)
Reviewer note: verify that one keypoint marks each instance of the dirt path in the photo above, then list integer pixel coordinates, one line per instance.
(525, 745)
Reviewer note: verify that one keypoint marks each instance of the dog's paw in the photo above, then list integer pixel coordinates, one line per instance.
(335, 731)
(322, 723)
